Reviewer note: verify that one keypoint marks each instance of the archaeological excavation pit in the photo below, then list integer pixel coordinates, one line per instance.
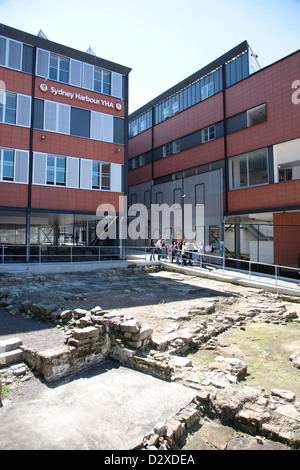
(159, 322)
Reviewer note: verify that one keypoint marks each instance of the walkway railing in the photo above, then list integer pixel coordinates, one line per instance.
(74, 254)
(247, 267)
(57, 253)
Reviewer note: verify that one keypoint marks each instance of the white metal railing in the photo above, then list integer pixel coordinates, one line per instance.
(56, 253)
(77, 253)
(247, 267)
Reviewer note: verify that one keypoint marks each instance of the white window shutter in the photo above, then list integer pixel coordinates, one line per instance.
(39, 168)
(21, 166)
(75, 72)
(42, 63)
(116, 177)
(86, 173)
(88, 77)
(96, 125)
(107, 134)
(63, 124)
(72, 180)
(23, 110)
(117, 85)
(50, 123)
(15, 53)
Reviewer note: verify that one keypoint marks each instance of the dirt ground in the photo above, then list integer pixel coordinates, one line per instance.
(167, 302)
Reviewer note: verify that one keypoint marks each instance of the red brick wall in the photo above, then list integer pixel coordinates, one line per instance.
(59, 144)
(284, 194)
(140, 175)
(200, 155)
(140, 144)
(15, 81)
(286, 238)
(14, 195)
(273, 86)
(192, 119)
(71, 199)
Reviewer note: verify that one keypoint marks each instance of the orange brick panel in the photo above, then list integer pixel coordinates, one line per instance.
(140, 144)
(140, 175)
(196, 156)
(14, 137)
(285, 194)
(286, 238)
(65, 199)
(60, 144)
(15, 81)
(272, 85)
(192, 119)
(13, 195)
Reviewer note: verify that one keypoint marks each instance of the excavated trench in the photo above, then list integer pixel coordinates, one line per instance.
(197, 321)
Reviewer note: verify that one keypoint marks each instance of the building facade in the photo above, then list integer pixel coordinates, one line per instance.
(63, 140)
(226, 138)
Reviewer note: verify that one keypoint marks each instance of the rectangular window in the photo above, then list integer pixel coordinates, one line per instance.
(8, 108)
(176, 146)
(59, 68)
(96, 175)
(27, 58)
(166, 150)
(101, 176)
(8, 165)
(80, 122)
(209, 133)
(142, 160)
(250, 169)
(56, 170)
(102, 81)
(105, 176)
(166, 112)
(175, 107)
(207, 90)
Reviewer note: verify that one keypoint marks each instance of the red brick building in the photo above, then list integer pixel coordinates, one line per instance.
(227, 137)
(63, 140)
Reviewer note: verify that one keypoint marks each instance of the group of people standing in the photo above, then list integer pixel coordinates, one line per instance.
(182, 252)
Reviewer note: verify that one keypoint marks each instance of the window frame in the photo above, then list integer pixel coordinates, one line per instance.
(209, 133)
(207, 90)
(166, 150)
(56, 171)
(247, 169)
(103, 83)
(4, 108)
(60, 60)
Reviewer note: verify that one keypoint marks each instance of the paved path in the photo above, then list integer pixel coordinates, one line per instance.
(109, 407)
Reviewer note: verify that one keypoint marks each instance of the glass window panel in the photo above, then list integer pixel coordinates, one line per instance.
(50, 170)
(238, 172)
(105, 182)
(53, 68)
(8, 165)
(258, 167)
(10, 108)
(27, 60)
(64, 70)
(96, 175)
(80, 122)
(106, 83)
(60, 171)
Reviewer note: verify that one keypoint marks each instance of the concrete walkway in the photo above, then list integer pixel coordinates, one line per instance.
(108, 407)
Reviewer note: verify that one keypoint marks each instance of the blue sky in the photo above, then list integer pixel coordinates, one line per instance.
(163, 41)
